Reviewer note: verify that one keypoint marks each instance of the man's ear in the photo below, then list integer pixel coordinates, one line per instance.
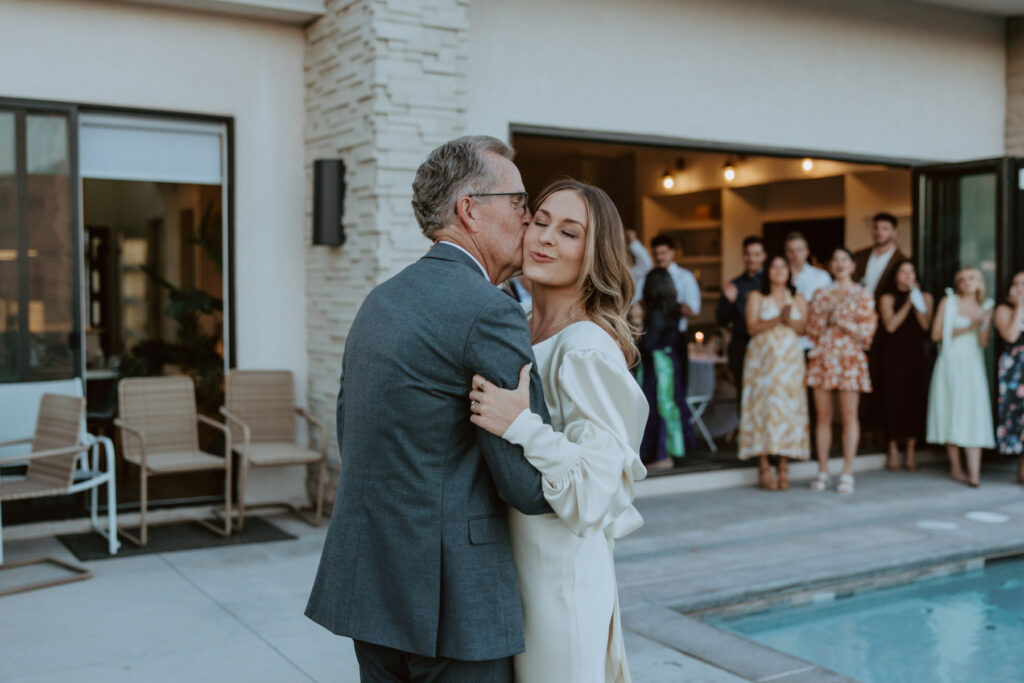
(466, 212)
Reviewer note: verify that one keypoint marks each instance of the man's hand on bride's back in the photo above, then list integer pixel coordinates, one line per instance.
(494, 408)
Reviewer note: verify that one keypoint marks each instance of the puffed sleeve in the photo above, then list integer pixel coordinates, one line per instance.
(588, 470)
(817, 316)
(864, 318)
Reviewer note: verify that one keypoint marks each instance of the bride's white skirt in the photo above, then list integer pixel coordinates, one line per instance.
(570, 604)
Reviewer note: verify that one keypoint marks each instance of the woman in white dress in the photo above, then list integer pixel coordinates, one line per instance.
(575, 257)
(959, 403)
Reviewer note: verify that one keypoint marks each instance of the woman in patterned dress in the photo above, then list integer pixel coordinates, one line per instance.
(774, 417)
(841, 323)
(1009, 321)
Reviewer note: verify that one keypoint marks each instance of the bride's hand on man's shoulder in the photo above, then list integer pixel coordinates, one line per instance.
(494, 408)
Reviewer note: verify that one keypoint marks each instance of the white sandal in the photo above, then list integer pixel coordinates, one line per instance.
(820, 482)
(845, 484)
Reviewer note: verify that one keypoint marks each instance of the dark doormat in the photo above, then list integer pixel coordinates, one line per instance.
(168, 538)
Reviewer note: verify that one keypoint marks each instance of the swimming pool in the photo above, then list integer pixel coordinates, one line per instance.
(962, 627)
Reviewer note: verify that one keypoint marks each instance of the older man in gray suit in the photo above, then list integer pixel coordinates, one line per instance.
(417, 567)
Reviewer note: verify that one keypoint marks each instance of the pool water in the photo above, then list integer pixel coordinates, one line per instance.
(963, 627)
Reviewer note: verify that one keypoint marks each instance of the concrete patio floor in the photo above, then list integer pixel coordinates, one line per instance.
(235, 613)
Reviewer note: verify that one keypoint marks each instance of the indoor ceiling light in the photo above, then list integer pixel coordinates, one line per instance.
(667, 181)
(807, 164)
(729, 171)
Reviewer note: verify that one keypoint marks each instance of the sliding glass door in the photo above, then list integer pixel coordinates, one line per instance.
(39, 321)
(968, 214)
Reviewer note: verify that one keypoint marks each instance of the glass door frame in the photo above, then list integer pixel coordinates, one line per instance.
(21, 109)
(1009, 243)
(1009, 218)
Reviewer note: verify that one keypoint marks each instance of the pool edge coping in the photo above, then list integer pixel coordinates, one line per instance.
(682, 629)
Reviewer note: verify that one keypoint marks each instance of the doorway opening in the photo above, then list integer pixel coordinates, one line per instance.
(708, 201)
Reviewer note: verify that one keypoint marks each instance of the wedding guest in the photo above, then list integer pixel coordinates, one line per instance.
(732, 306)
(774, 415)
(959, 406)
(906, 314)
(875, 268)
(640, 260)
(687, 298)
(665, 433)
(807, 279)
(1009, 321)
(841, 323)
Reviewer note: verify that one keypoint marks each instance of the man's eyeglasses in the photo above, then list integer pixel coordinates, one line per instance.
(518, 199)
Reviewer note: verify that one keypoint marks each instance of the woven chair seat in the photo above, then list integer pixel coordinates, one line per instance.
(272, 453)
(16, 489)
(177, 461)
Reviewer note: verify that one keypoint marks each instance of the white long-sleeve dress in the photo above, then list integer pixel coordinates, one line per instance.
(588, 458)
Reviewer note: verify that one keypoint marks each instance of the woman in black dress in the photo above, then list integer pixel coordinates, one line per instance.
(906, 315)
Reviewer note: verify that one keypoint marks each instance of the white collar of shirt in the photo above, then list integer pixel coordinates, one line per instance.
(478, 264)
(885, 256)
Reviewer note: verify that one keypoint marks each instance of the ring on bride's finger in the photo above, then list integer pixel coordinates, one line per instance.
(473, 404)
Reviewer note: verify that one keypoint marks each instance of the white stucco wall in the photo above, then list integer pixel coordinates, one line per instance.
(871, 77)
(151, 58)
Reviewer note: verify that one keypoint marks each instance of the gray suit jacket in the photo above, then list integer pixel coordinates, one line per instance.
(417, 555)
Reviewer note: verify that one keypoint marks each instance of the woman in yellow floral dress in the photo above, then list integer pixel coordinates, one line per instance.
(841, 323)
(774, 417)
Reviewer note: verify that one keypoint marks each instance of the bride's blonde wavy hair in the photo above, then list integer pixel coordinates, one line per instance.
(606, 283)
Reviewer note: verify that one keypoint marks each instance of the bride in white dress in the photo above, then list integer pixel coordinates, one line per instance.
(575, 259)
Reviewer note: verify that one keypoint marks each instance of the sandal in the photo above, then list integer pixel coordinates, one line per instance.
(783, 474)
(820, 482)
(766, 480)
(845, 484)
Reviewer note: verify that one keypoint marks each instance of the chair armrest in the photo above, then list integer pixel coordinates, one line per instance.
(209, 421)
(121, 424)
(125, 427)
(4, 444)
(235, 420)
(65, 450)
(302, 412)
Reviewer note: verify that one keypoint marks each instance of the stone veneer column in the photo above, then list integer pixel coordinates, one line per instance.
(1015, 86)
(385, 84)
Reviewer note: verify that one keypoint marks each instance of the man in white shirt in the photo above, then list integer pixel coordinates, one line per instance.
(807, 279)
(687, 293)
(874, 267)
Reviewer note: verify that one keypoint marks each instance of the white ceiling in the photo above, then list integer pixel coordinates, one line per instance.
(1004, 8)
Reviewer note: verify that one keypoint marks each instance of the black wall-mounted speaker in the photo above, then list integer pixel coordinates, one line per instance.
(328, 202)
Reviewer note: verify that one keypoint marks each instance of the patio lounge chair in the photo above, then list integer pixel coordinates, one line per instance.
(260, 407)
(57, 465)
(158, 428)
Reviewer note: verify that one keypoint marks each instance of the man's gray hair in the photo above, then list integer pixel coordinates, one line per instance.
(454, 169)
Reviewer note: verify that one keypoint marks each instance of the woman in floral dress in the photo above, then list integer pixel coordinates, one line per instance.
(774, 417)
(1009, 321)
(841, 322)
